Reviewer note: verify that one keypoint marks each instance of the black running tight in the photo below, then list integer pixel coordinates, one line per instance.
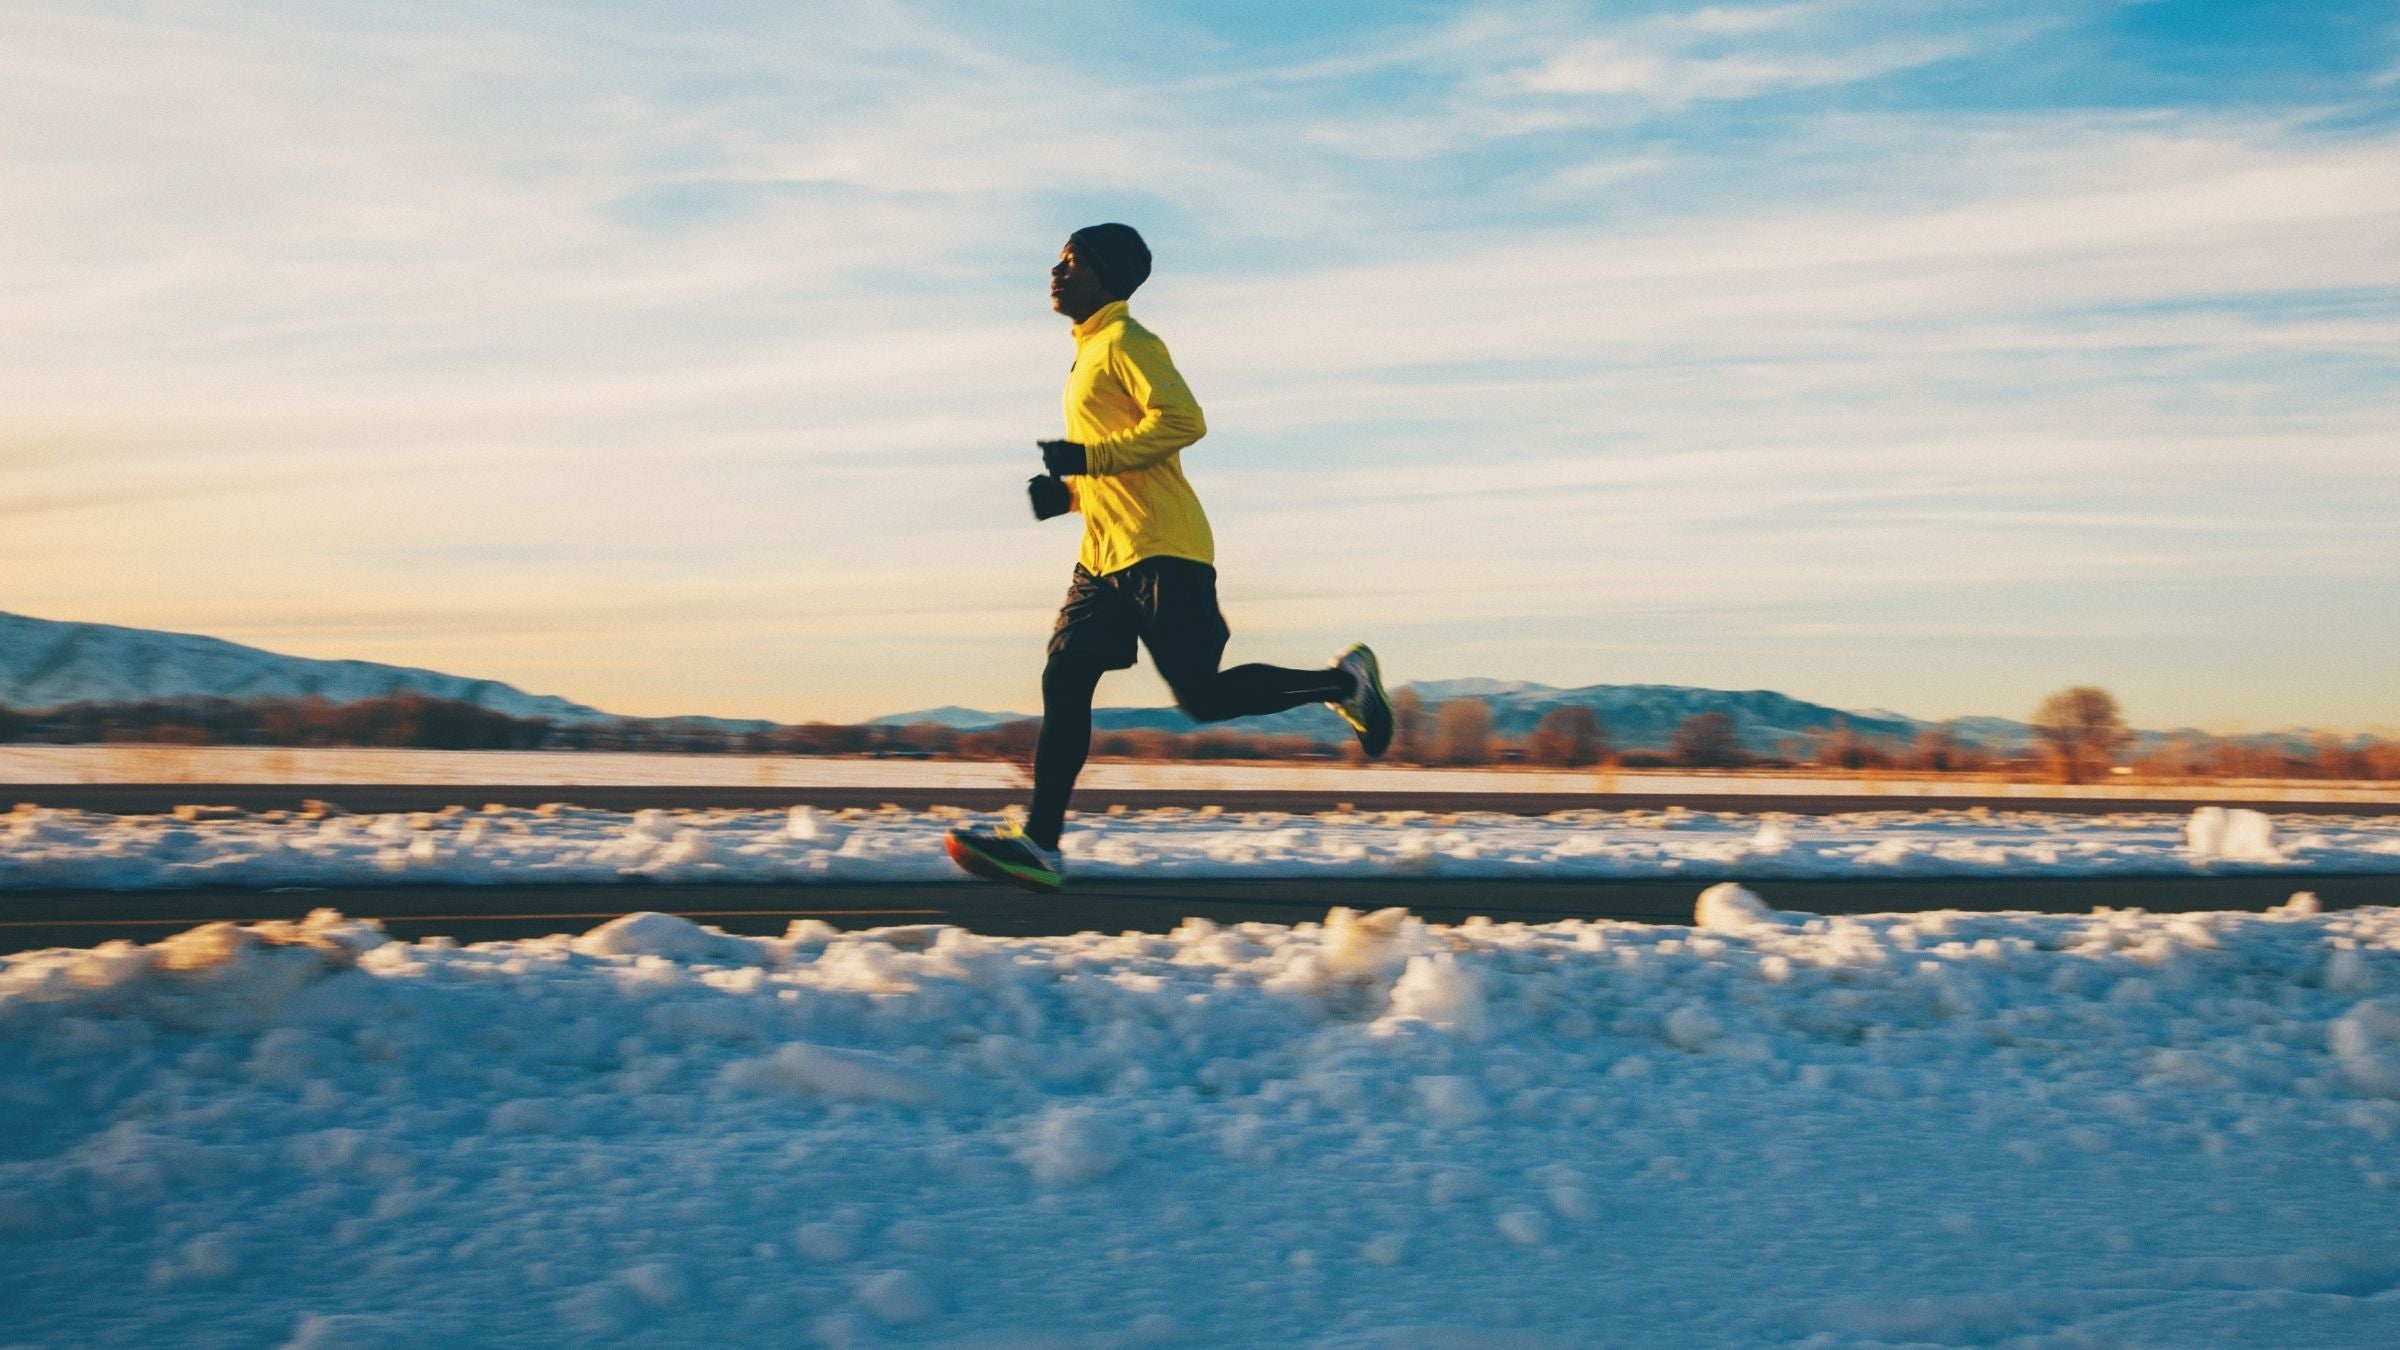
(1070, 680)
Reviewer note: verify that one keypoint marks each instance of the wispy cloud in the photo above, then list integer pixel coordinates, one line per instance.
(1678, 61)
(1687, 335)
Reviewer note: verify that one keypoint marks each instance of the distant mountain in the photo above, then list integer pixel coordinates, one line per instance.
(1638, 716)
(45, 663)
(2007, 735)
(951, 715)
(1437, 691)
(1644, 716)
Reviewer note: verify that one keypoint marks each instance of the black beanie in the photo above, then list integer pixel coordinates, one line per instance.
(1116, 253)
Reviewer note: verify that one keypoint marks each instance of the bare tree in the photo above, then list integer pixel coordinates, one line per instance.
(2185, 754)
(2382, 758)
(1707, 740)
(1009, 740)
(2081, 730)
(932, 738)
(2245, 757)
(1944, 749)
(1841, 747)
(2333, 757)
(1408, 727)
(1462, 732)
(1571, 736)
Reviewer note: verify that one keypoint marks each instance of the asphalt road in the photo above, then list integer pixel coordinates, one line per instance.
(36, 919)
(153, 798)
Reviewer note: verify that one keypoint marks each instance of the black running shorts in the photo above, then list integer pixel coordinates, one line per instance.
(1167, 604)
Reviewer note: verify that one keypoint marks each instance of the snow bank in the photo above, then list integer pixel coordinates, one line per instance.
(42, 847)
(2114, 1128)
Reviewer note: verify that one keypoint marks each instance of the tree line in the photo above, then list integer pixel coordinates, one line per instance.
(2079, 735)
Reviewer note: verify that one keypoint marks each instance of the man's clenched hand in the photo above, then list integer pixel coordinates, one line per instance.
(1064, 459)
(1050, 497)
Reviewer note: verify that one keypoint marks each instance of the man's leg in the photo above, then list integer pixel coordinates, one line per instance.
(1068, 683)
(1255, 690)
(1095, 634)
(1186, 634)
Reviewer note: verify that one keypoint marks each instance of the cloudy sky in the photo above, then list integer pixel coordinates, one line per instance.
(689, 358)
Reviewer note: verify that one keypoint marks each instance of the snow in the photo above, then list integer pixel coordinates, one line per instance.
(2233, 836)
(1729, 907)
(1950, 1128)
(202, 846)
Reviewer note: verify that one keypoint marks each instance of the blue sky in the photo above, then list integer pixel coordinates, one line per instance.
(688, 359)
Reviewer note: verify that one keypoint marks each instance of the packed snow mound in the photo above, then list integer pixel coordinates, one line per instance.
(217, 976)
(1371, 1131)
(1729, 908)
(2216, 833)
(672, 937)
(43, 847)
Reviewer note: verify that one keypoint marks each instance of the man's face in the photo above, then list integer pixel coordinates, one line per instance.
(1075, 289)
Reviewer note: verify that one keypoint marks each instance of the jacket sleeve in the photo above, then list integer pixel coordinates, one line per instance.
(1170, 415)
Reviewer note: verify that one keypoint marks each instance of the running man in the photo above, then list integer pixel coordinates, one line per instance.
(1146, 570)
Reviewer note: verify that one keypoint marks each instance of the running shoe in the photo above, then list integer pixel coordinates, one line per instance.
(1007, 855)
(1369, 710)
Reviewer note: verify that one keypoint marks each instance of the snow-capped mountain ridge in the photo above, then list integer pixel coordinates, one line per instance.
(46, 663)
(1637, 716)
(952, 715)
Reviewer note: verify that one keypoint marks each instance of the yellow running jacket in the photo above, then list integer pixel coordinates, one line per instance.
(1133, 415)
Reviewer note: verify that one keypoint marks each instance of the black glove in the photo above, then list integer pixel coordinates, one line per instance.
(1050, 497)
(1064, 459)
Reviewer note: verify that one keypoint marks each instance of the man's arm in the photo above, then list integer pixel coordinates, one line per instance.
(1170, 415)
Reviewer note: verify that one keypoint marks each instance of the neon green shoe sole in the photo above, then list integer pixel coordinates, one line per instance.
(1003, 857)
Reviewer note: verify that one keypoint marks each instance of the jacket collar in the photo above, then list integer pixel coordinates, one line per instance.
(1101, 318)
